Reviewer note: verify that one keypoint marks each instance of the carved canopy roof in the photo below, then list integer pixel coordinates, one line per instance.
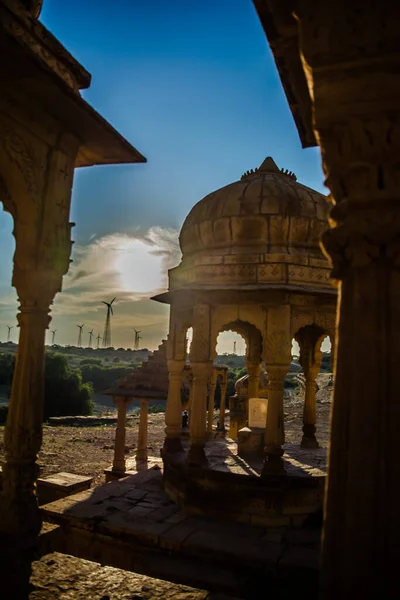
(43, 72)
(280, 28)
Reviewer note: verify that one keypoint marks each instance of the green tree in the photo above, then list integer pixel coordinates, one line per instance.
(7, 362)
(65, 393)
(101, 377)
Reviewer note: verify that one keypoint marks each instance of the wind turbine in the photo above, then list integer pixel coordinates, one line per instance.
(137, 338)
(90, 338)
(53, 331)
(9, 331)
(107, 327)
(98, 340)
(80, 327)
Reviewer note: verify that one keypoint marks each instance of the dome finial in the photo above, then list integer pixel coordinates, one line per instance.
(269, 165)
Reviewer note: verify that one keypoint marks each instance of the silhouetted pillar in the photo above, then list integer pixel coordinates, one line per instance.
(277, 359)
(275, 431)
(197, 425)
(350, 52)
(119, 466)
(141, 453)
(222, 407)
(253, 370)
(173, 412)
(310, 359)
(201, 368)
(40, 177)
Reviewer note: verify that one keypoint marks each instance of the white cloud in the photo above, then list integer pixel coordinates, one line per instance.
(130, 267)
(127, 267)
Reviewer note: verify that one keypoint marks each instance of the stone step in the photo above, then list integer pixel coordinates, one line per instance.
(57, 486)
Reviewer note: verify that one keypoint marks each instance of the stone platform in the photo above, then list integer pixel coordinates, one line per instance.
(131, 524)
(299, 462)
(64, 577)
(230, 487)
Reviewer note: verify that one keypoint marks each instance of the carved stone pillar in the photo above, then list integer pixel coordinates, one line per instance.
(39, 182)
(120, 437)
(352, 62)
(222, 407)
(277, 364)
(141, 453)
(274, 431)
(310, 339)
(201, 368)
(211, 398)
(173, 412)
(253, 370)
(310, 360)
(197, 425)
(20, 470)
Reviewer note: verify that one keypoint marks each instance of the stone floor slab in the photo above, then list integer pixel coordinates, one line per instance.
(135, 514)
(62, 577)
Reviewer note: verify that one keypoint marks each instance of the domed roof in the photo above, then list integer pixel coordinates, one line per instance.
(263, 229)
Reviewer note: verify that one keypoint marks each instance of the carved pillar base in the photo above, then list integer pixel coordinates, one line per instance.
(309, 440)
(197, 456)
(273, 462)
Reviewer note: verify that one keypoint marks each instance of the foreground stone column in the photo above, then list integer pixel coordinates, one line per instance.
(197, 425)
(277, 364)
(119, 466)
(23, 434)
(173, 412)
(141, 453)
(37, 192)
(352, 60)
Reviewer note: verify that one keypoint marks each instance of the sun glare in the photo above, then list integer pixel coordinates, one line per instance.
(139, 267)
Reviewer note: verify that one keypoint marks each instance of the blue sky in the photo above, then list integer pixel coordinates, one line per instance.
(194, 87)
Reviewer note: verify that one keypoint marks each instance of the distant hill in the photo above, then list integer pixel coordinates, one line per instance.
(133, 358)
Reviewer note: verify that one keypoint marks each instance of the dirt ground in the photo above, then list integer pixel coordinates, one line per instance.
(89, 450)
